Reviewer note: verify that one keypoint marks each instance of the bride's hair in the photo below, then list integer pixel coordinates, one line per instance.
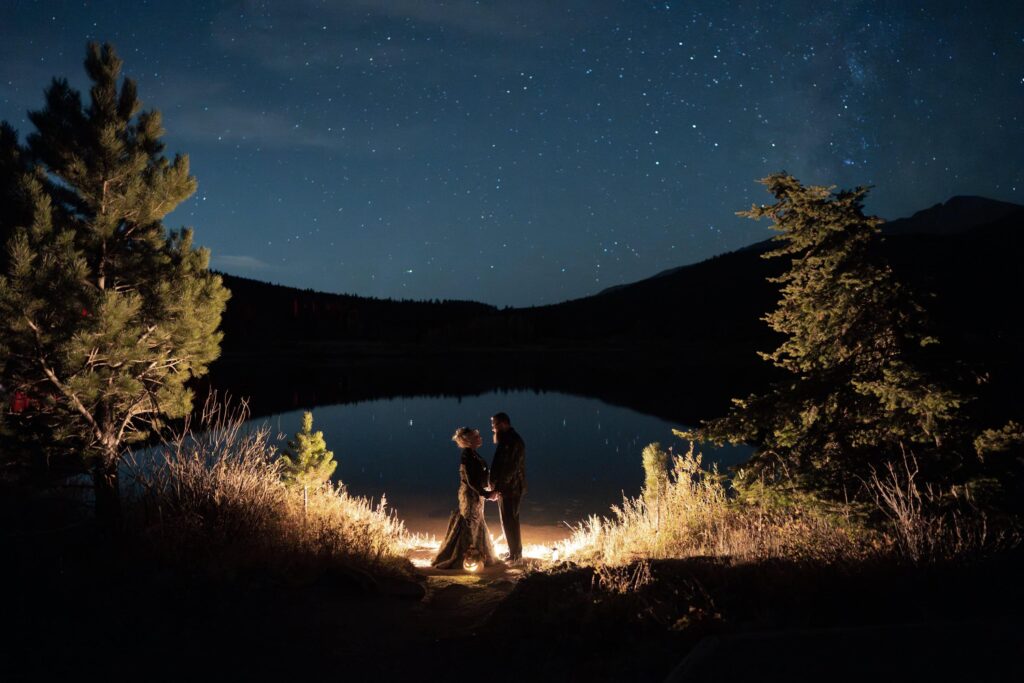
(463, 434)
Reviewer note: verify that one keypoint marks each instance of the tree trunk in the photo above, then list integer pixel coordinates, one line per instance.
(108, 494)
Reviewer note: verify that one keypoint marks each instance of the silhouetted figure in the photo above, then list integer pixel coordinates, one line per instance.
(508, 480)
(467, 531)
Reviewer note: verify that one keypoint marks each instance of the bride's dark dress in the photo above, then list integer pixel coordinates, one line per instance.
(467, 528)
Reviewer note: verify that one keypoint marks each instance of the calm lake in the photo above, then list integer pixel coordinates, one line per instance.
(581, 454)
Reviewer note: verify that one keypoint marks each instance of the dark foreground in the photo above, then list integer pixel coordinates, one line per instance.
(77, 606)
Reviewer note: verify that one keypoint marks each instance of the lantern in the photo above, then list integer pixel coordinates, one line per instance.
(473, 560)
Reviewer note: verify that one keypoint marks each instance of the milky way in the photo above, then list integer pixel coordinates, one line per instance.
(532, 151)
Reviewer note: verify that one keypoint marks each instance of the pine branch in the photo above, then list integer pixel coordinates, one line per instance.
(61, 387)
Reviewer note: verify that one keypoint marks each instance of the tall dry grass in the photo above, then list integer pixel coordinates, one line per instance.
(692, 511)
(211, 498)
(927, 524)
(693, 514)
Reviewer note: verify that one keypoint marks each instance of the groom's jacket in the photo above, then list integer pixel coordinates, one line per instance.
(508, 471)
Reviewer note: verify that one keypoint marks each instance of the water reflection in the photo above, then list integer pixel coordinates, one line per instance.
(582, 454)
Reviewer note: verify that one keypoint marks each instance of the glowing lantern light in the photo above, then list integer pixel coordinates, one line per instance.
(472, 561)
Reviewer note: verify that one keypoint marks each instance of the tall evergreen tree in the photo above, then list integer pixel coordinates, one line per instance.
(855, 395)
(307, 462)
(104, 315)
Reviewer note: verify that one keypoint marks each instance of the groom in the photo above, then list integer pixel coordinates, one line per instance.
(508, 480)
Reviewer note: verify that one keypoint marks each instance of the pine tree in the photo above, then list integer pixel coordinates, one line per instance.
(855, 395)
(104, 315)
(655, 462)
(307, 462)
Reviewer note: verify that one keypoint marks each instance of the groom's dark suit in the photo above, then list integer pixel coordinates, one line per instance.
(508, 477)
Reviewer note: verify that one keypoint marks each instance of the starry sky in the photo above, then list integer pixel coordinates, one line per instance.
(531, 151)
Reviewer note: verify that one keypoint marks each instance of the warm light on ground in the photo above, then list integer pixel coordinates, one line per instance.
(421, 548)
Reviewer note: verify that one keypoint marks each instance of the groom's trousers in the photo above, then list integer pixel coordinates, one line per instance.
(509, 510)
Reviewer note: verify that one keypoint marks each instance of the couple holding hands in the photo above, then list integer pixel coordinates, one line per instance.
(467, 541)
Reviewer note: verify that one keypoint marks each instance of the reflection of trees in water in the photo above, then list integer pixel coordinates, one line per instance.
(664, 386)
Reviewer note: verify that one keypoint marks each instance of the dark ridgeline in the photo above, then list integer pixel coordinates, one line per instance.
(263, 316)
(678, 344)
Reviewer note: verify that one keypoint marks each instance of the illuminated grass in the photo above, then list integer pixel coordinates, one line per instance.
(214, 501)
(693, 515)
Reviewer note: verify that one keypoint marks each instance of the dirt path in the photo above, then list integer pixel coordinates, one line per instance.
(458, 602)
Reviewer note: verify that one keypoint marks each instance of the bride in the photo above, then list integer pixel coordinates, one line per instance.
(467, 536)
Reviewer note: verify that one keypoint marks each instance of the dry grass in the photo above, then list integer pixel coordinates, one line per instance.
(927, 524)
(693, 515)
(213, 500)
(695, 512)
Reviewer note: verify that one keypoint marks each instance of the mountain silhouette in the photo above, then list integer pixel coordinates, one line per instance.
(705, 320)
(964, 249)
(957, 215)
(263, 316)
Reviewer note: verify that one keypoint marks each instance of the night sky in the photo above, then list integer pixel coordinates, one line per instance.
(529, 151)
